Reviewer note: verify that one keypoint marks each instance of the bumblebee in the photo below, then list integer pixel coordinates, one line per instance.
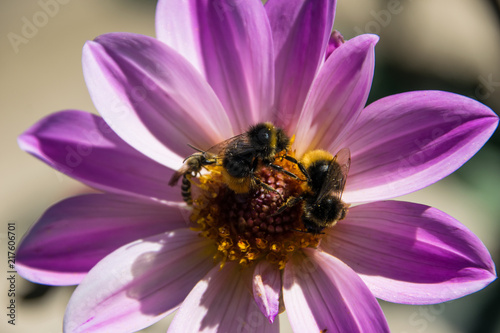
(240, 156)
(326, 175)
(243, 154)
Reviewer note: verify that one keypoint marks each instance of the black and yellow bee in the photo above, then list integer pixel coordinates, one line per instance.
(240, 156)
(321, 199)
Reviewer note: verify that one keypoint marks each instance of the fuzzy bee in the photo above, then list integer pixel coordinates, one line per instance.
(321, 199)
(239, 156)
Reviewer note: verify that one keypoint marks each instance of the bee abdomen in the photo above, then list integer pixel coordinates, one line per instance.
(186, 190)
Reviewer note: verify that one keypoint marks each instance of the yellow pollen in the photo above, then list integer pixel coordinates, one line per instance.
(225, 244)
(252, 255)
(243, 245)
(232, 255)
(275, 247)
(244, 227)
(261, 243)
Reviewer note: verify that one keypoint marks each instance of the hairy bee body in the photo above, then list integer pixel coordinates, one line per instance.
(239, 157)
(243, 154)
(186, 189)
(326, 175)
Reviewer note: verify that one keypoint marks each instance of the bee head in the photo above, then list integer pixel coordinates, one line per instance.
(328, 210)
(261, 135)
(313, 227)
(268, 140)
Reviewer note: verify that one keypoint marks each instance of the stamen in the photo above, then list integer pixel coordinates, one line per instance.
(243, 225)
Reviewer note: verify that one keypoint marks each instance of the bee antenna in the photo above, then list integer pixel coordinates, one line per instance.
(197, 149)
(308, 232)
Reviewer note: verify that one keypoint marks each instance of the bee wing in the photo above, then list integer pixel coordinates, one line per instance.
(178, 174)
(216, 152)
(219, 148)
(240, 146)
(213, 154)
(240, 142)
(337, 175)
(192, 165)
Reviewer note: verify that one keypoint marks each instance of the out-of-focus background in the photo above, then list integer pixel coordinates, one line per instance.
(451, 45)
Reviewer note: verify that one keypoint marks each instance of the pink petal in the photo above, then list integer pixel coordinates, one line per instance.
(410, 253)
(230, 42)
(83, 146)
(222, 302)
(337, 96)
(76, 233)
(408, 141)
(152, 97)
(301, 29)
(177, 26)
(139, 283)
(266, 289)
(322, 293)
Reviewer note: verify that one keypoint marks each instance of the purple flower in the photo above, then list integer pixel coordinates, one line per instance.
(217, 68)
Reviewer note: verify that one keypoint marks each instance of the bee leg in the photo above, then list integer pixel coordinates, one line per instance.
(300, 166)
(286, 172)
(292, 201)
(267, 187)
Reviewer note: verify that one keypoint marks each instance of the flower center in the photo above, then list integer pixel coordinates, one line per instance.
(244, 226)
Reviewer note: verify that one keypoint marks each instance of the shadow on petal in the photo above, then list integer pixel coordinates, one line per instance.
(223, 302)
(410, 253)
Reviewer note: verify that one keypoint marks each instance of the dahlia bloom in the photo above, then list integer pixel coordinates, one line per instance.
(218, 67)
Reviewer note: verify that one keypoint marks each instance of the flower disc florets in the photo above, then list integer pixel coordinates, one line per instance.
(244, 226)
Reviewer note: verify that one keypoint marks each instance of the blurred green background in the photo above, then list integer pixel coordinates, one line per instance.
(451, 45)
